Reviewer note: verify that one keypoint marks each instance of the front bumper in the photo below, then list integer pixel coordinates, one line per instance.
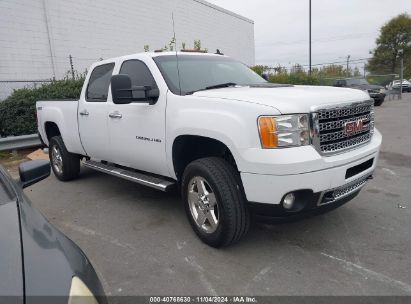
(311, 174)
(275, 213)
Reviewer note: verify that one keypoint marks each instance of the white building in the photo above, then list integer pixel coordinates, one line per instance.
(37, 36)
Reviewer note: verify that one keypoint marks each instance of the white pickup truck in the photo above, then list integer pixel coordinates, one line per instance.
(233, 143)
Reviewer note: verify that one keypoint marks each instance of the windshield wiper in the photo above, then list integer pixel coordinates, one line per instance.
(221, 85)
(217, 86)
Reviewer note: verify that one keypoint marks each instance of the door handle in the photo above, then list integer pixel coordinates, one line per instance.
(115, 115)
(84, 113)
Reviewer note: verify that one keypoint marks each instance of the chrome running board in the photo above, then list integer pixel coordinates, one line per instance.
(131, 175)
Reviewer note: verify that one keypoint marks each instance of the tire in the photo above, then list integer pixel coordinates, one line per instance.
(228, 209)
(65, 165)
(378, 102)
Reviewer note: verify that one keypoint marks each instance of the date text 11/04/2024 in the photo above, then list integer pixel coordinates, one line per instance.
(204, 299)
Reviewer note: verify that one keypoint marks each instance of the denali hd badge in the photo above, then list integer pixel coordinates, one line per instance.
(352, 127)
(149, 139)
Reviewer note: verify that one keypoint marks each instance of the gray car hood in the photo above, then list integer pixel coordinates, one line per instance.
(11, 270)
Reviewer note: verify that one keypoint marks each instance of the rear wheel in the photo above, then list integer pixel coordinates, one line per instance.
(65, 165)
(214, 201)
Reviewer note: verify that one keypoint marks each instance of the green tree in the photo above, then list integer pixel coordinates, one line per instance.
(333, 71)
(394, 36)
(197, 45)
(356, 72)
(260, 69)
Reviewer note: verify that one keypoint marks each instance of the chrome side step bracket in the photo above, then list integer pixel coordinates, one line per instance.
(134, 176)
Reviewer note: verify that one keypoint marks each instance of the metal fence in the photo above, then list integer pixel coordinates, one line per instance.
(73, 66)
(19, 142)
(8, 86)
(382, 80)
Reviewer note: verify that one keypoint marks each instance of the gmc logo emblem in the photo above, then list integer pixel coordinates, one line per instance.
(352, 127)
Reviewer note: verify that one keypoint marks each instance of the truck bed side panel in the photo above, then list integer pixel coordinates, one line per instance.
(64, 115)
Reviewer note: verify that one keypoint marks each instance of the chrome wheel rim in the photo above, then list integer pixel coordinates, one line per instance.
(56, 159)
(203, 204)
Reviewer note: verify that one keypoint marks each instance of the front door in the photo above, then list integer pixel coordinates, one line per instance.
(137, 130)
(93, 113)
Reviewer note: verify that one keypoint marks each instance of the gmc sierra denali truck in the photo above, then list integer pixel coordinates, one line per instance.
(233, 143)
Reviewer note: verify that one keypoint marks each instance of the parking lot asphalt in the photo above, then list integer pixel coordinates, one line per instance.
(141, 243)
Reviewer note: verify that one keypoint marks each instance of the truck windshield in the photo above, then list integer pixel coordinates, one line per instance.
(199, 72)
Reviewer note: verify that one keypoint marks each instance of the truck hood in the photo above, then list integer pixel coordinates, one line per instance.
(288, 99)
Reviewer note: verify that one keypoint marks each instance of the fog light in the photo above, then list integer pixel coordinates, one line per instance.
(288, 201)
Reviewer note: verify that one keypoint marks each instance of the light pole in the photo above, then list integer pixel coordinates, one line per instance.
(401, 54)
(309, 29)
(348, 65)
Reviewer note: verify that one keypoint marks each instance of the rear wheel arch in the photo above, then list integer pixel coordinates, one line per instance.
(52, 130)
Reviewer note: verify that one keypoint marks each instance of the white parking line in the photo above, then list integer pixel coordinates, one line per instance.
(206, 283)
(378, 276)
(389, 171)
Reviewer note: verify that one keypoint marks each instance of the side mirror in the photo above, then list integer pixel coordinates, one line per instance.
(265, 76)
(122, 91)
(33, 171)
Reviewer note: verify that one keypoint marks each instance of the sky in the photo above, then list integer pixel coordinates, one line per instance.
(339, 28)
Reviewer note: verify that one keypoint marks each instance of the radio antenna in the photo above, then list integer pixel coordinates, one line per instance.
(175, 46)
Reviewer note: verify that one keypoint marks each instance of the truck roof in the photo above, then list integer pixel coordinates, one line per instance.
(156, 54)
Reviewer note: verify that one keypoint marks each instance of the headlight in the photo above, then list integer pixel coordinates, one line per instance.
(79, 293)
(284, 131)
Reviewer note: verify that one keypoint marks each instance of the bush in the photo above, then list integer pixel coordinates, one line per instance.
(284, 77)
(17, 112)
(297, 78)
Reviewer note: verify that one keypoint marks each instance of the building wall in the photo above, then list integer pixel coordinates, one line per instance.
(37, 36)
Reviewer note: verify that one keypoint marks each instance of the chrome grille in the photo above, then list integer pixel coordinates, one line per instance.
(326, 126)
(329, 123)
(343, 191)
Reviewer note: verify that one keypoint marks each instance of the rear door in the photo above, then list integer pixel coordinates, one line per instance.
(93, 113)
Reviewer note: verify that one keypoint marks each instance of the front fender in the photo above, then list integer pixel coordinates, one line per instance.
(234, 123)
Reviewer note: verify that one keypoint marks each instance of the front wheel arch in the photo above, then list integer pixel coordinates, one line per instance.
(187, 148)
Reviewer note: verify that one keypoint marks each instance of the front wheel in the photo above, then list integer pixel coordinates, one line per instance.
(214, 201)
(65, 165)
(378, 102)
